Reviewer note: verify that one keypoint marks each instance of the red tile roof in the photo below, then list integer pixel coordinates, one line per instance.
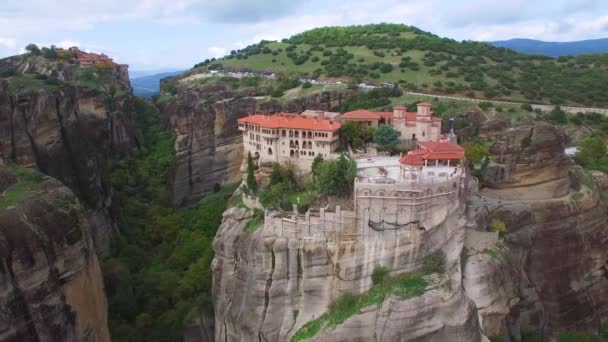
(432, 150)
(291, 121)
(411, 159)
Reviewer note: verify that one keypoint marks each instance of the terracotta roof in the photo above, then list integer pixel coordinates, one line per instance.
(435, 146)
(432, 150)
(411, 159)
(363, 114)
(290, 121)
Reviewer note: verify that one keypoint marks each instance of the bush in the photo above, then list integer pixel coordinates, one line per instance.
(527, 107)
(498, 226)
(379, 274)
(485, 105)
(306, 85)
(434, 263)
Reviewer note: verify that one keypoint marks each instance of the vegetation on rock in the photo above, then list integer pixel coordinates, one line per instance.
(158, 277)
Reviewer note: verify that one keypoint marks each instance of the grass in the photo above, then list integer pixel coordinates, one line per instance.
(26, 83)
(573, 336)
(492, 253)
(255, 222)
(23, 188)
(577, 196)
(585, 178)
(162, 98)
(405, 286)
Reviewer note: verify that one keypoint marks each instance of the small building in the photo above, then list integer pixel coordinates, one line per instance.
(413, 126)
(442, 156)
(286, 136)
(413, 190)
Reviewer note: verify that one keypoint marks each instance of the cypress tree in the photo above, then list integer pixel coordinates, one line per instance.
(252, 186)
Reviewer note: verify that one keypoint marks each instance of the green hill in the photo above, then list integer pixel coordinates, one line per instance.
(421, 61)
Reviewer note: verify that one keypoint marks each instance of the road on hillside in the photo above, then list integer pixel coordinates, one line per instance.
(568, 109)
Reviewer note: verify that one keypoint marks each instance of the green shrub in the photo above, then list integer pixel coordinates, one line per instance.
(379, 274)
(434, 263)
(498, 226)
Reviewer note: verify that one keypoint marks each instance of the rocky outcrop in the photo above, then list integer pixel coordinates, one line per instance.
(69, 134)
(267, 286)
(208, 143)
(51, 287)
(549, 272)
(531, 159)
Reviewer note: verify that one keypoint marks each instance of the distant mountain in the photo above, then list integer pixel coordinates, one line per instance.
(149, 85)
(555, 49)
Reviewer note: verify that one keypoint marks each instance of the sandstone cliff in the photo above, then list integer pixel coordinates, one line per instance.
(208, 143)
(51, 287)
(267, 286)
(548, 273)
(68, 132)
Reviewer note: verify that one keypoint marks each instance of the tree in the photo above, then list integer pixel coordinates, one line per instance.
(558, 115)
(49, 53)
(252, 185)
(315, 167)
(386, 137)
(592, 153)
(33, 49)
(475, 152)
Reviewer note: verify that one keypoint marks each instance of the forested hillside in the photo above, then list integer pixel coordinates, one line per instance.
(421, 61)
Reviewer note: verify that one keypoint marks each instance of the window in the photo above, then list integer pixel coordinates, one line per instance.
(283, 133)
(423, 133)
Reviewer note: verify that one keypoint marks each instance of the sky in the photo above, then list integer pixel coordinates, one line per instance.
(176, 34)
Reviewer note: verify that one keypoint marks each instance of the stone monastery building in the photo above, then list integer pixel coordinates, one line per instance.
(275, 138)
(415, 126)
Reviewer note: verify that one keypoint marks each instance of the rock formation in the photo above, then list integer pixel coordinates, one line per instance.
(51, 287)
(549, 272)
(267, 286)
(208, 143)
(69, 134)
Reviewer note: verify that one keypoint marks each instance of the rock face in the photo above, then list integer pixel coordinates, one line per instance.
(51, 287)
(266, 287)
(549, 273)
(208, 142)
(69, 135)
(531, 160)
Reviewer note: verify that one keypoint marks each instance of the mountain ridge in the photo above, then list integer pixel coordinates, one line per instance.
(554, 49)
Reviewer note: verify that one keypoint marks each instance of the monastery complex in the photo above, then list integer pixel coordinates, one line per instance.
(410, 191)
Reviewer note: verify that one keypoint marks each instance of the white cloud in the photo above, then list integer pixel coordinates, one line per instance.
(217, 52)
(8, 43)
(64, 44)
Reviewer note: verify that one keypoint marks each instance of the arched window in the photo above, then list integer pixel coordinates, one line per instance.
(310, 144)
(291, 153)
(291, 134)
(269, 151)
(297, 134)
(309, 134)
(284, 134)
